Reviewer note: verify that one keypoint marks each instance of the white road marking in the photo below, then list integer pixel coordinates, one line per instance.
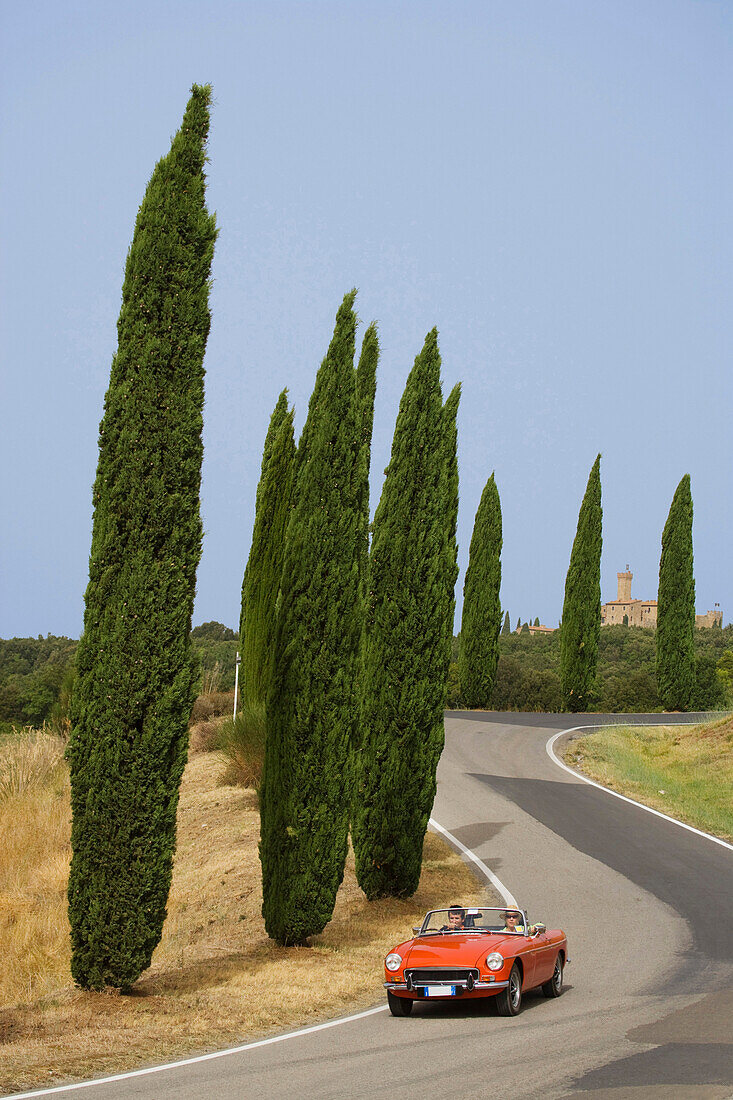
(509, 898)
(199, 1058)
(549, 748)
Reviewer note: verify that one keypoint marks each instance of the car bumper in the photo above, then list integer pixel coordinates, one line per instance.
(461, 987)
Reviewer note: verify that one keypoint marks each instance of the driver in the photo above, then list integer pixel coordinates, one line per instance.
(456, 919)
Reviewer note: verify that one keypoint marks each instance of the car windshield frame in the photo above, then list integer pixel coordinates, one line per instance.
(487, 927)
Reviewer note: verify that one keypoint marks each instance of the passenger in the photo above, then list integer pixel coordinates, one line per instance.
(456, 919)
(512, 921)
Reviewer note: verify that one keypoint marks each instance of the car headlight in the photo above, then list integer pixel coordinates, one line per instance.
(393, 961)
(494, 961)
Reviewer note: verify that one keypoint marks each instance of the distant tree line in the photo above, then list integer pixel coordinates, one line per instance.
(34, 672)
(528, 672)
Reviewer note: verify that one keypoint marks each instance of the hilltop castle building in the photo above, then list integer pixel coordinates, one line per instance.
(643, 612)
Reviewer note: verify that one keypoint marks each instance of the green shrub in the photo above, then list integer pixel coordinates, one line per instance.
(242, 740)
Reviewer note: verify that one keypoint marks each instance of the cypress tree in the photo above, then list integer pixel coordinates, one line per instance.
(519, 623)
(311, 710)
(506, 628)
(136, 678)
(537, 621)
(479, 647)
(676, 606)
(412, 571)
(581, 612)
(366, 388)
(261, 582)
(525, 628)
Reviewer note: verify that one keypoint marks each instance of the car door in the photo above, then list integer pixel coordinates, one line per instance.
(529, 961)
(544, 958)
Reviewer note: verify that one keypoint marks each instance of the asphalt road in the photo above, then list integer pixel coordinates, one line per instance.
(648, 909)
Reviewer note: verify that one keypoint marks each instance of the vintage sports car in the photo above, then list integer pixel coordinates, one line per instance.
(467, 951)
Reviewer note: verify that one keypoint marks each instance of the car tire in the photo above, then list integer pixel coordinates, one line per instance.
(553, 988)
(509, 1001)
(398, 1006)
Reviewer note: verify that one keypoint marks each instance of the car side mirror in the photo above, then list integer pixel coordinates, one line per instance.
(417, 931)
(539, 929)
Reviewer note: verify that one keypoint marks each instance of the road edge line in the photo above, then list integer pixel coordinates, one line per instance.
(508, 897)
(198, 1058)
(549, 749)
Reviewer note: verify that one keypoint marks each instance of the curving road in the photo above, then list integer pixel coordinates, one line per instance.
(648, 909)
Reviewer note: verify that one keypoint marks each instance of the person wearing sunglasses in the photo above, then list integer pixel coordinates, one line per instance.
(513, 923)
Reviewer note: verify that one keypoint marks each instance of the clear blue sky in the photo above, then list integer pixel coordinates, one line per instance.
(547, 181)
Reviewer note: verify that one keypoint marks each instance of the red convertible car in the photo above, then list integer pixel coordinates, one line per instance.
(472, 952)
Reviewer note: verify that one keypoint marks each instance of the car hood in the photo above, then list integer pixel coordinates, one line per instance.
(454, 949)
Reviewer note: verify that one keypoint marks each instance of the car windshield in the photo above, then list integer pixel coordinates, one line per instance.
(474, 919)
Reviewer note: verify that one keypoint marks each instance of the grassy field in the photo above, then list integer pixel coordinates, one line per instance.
(216, 979)
(684, 771)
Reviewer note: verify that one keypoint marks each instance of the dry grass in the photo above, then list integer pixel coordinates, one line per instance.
(684, 771)
(216, 979)
(204, 736)
(29, 761)
(211, 705)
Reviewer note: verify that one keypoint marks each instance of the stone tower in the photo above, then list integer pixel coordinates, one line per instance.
(624, 585)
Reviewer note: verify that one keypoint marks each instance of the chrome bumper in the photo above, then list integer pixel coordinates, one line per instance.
(459, 985)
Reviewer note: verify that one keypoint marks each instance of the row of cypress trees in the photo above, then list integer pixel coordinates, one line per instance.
(355, 643)
(481, 622)
(347, 649)
(309, 592)
(581, 617)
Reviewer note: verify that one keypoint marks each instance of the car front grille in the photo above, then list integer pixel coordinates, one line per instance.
(441, 974)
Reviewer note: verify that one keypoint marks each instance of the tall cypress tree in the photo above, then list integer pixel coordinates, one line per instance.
(136, 680)
(479, 648)
(412, 571)
(506, 628)
(581, 612)
(312, 704)
(676, 606)
(366, 388)
(261, 582)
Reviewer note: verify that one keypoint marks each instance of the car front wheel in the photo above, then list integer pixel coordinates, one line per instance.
(398, 1006)
(553, 988)
(509, 1001)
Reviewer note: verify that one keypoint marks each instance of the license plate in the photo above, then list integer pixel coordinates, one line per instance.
(440, 991)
